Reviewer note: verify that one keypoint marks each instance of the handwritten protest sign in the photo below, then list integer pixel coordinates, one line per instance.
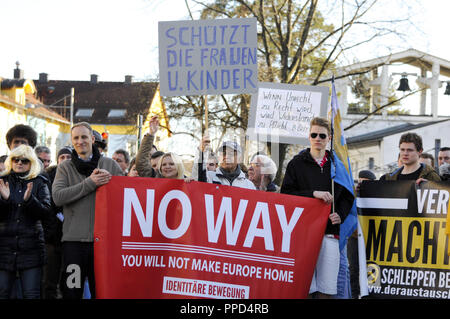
(281, 113)
(208, 57)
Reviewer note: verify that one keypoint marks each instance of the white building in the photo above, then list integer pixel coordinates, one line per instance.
(373, 143)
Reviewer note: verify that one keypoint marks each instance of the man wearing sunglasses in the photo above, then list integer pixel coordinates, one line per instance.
(309, 174)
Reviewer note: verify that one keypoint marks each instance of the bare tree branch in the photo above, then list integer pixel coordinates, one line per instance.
(298, 58)
(380, 108)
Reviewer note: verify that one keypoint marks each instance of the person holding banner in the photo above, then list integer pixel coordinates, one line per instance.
(309, 174)
(229, 171)
(410, 145)
(132, 171)
(74, 188)
(170, 166)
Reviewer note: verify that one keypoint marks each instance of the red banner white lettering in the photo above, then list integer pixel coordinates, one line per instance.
(164, 238)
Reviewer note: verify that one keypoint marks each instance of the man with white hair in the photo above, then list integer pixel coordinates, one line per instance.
(262, 172)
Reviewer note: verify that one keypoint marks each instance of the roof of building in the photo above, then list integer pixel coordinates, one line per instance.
(411, 56)
(110, 103)
(380, 134)
(35, 108)
(10, 83)
(39, 109)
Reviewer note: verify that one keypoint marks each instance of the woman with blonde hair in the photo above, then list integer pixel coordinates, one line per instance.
(171, 166)
(24, 203)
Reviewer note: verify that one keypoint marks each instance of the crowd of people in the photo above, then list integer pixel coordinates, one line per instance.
(48, 211)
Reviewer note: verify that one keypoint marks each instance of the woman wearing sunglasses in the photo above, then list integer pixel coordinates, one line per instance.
(24, 203)
(309, 174)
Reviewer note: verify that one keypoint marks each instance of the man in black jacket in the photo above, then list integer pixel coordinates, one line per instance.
(53, 235)
(309, 174)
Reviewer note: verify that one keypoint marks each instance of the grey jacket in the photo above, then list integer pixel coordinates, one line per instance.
(216, 177)
(76, 194)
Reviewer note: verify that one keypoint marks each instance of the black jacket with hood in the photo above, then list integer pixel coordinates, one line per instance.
(303, 176)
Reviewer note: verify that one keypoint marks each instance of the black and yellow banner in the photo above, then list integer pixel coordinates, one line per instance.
(406, 244)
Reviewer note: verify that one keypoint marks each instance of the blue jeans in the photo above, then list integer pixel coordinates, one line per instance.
(30, 279)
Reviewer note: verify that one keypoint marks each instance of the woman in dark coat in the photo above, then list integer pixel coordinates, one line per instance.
(24, 202)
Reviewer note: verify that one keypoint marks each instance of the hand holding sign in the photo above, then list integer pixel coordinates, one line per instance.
(206, 143)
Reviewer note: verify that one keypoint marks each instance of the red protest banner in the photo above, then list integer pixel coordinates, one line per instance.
(164, 238)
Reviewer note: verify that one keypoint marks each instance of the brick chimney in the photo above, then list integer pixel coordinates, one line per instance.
(43, 77)
(128, 79)
(18, 73)
(94, 78)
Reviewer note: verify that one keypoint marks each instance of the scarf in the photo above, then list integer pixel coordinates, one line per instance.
(86, 167)
(231, 176)
(19, 176)
(321, 162)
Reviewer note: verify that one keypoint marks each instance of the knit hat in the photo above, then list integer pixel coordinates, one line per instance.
(367, 174)
(64, 150)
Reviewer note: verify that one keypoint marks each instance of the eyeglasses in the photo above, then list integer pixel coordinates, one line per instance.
(321, 135)
(22, 160)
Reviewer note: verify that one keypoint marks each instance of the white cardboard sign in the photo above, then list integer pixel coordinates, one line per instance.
(208, 57)
(281, 113)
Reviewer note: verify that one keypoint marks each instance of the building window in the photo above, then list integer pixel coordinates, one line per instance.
(84, 112)
(117, 113)
(371, 163)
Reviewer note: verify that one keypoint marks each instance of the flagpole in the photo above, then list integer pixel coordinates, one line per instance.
(331, 148)
(206, 113)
